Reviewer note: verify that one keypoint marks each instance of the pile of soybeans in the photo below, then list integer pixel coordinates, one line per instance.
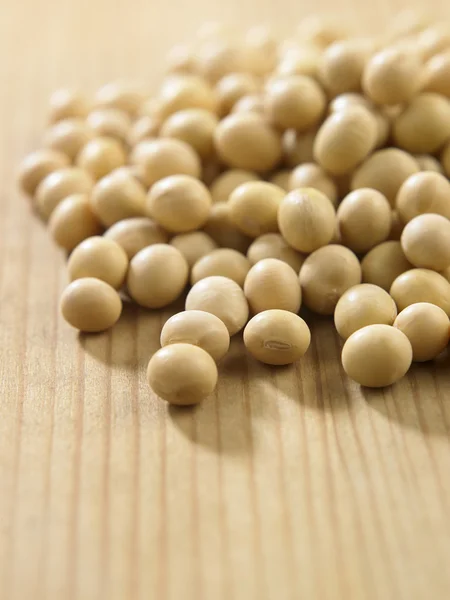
(263, 174)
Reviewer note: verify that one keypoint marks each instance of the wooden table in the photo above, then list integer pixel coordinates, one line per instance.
(289, 484)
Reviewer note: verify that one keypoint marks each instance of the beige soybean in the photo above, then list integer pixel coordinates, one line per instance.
(306, 219)
(427, 327)
(225, 183)
(445, 159)
(384, 263)
(193, 245)
(144, 128)
(100, 156)
(424, 125)
(392, 76)
(198, 328)
(377, 355)
(385, 170)
(101, 258)
(72, 221)
(437, 75)
(272, 283)
(364, 218)
(277, 337)
(186, 91)
(58, 185)
(426, 242)
(161, 158)
(182, 374)
(223, 231)
(36, 166)
(157, 276)
(273, 245)
(135, 233)
(421, 285)
(424, 192)
(110, 122)
(325, 275)
(231, 88)
(246, 141)
(298, 147)
(67, 104)
(90, 305)
(296, 102)
(121, 95)
(222, 297)
(310, 175)
(253, 207)
(194, 126)
(118, 196)
(345, 139)
(179, 203)
(344, 101)
(361, 305)
(68, 136)
(221, 261)
(342, 66)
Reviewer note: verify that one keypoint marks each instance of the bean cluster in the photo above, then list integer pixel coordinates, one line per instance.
(264, 175)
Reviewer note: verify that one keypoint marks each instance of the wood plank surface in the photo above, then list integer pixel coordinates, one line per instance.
(288, 484)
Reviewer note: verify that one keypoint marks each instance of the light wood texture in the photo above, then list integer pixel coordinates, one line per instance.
(288, 484)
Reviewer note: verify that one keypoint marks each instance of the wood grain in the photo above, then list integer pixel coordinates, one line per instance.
(288, 484)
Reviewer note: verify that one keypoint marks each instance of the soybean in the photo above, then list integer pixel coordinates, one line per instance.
(157, 276)
(325, 275)
(377, 355)
(277, 337)
(198, 328)
(427, 327)
(182, 374)
(223, 298)
(91, 305)
(362, 305)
